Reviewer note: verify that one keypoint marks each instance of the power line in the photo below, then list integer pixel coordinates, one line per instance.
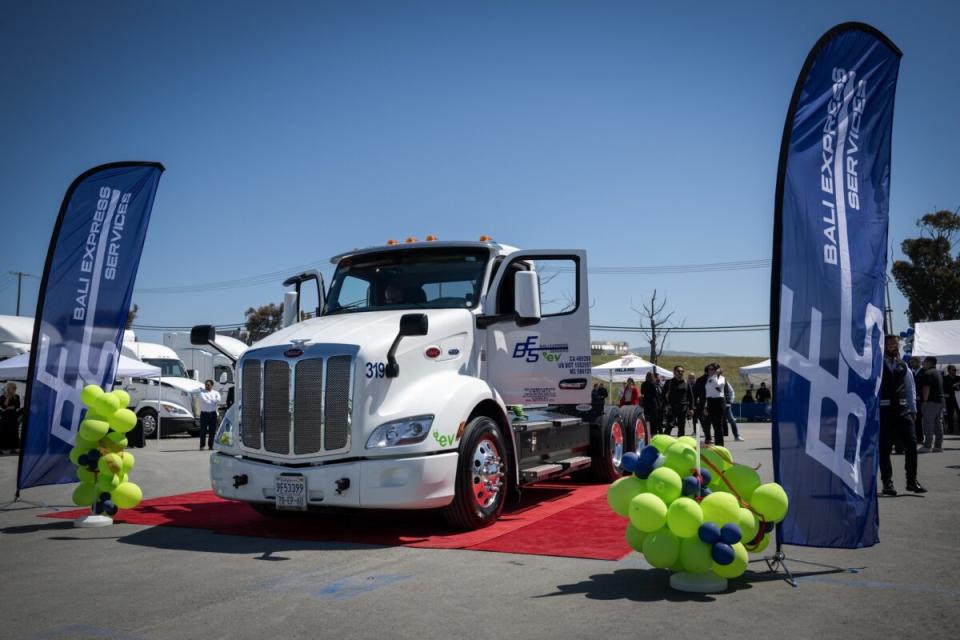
(237, 283)
(714, 329)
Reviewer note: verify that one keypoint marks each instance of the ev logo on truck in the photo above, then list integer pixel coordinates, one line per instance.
(531, 351)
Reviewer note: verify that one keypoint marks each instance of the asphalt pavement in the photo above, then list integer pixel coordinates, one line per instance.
(128, 582)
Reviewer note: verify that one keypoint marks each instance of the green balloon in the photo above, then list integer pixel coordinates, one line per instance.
(647, 512)
(93, 430)
(681, 458)
(735, 568)
(695, 555)
(123, 420)
(690, 441)
(82, 443)
(106, 404)
(721, 508)
(118, 439)
(85, 494)
(665, 483)
(128, 461)
(123, 398)
(635, 538)
(743, 479)
(89, 395)
(127, 495)
(770, 501)
(684, 517)
(661, 441)
(662, 549)
(85, 475)
(619, 494)
(75, 453)
(749, 525)
(107, 482)
(718, 457)
(110, 464)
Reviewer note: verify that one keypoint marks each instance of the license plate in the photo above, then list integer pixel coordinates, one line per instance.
(291, 493)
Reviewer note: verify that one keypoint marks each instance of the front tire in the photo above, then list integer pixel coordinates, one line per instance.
(148, 419)
(481, 481)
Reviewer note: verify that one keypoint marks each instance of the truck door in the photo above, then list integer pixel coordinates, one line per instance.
(547, 362)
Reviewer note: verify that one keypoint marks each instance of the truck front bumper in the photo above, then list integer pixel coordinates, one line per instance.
(424, 482)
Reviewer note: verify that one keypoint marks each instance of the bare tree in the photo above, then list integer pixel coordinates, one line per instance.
(657, 328)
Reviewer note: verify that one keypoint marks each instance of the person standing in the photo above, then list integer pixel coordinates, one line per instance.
(898, 410)
(209, 400)
(650, 397)
(728, 397)
(951, 387)
(9, 414)
(931, 396)
(748, 396)
(630, 394)
(678, 399)
(763, 393)
(916, 370)
(715, 407)
(700, 402)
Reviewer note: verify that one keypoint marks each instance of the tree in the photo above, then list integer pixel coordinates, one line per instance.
(132, 315)
(656, 332)
(930, 277)
(263, 320)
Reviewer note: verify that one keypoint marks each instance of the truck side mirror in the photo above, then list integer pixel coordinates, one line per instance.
(223, 378)
(291, 308)
(526, 297)
(411, 324)
(203, 334)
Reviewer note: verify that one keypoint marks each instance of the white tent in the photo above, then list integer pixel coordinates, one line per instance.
(16, 368)
(940, 339)
(757, 373)
(628, 367)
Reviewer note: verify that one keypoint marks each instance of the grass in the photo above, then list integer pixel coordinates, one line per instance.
(695, 364)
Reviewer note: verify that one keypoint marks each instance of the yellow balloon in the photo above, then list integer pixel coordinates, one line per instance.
(123, 420)
(127, 495)
(93, 430)
(635, 538)
(735, 568)
(85, 494)
(622, 491)
(89, 394)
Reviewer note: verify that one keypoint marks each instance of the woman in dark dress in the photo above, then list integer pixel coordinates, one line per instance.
(650, 393)
(9, 412)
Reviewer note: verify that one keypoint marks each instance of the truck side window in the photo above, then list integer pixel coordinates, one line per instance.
(559, 292)
(506, 294)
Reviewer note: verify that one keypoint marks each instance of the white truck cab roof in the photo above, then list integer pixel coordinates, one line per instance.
(495, 247)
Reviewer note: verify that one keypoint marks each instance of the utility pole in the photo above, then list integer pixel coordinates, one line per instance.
(20, 275)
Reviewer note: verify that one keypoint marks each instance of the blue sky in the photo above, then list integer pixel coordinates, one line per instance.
(646, 134)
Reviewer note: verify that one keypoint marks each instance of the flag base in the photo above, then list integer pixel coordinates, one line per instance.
(91, 521)
(698, 582)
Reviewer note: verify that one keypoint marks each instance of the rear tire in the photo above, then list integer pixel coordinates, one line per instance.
(607, 447)
(482, 476)
(636, 433)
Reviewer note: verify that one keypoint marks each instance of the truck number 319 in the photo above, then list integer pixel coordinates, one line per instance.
(376, 370)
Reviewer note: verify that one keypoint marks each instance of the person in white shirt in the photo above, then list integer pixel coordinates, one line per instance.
(209, 400)
(715, 410)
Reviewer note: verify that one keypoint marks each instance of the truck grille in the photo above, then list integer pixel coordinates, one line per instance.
(315, 419)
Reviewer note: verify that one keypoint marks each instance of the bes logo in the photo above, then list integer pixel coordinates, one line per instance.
(531, 351)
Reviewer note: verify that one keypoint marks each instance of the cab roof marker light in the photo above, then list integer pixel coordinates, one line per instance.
(391, 242)
(485, 238)
(410, 240)
(432, 238)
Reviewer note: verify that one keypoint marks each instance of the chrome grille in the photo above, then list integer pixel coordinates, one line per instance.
(250, 407)
(276, 407)
(308, 406)
(337, 403)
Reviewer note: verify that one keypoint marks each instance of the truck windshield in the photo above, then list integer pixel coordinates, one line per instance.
(168, 368)
(411, 279)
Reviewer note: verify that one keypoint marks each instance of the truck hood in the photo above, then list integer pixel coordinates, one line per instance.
(183, 384)
(367, 328)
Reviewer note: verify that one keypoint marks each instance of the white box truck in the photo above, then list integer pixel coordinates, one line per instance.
(434, 375)
(176, 405)
(205, 363)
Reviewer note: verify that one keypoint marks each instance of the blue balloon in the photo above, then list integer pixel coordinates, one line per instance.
(110, 508)
(629, 461)
(649, 453)
(691, 486)
(730, 534)
(709, 532)
(93, 455)
(104, 496)
(643, 471)
(82, 460)
(910, 331)
(705, 492)
(706, 475)
(722, 553)
(98, 507)
(768, 527)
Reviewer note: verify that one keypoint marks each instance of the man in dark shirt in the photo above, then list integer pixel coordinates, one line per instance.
(951, 385)
(931, 397)
(700, 399)
(898, 410)
(763, 394)
(678, 396)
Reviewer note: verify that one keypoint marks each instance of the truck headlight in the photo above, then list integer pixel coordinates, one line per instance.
(399, 432)
(224, 435)
(174, 409)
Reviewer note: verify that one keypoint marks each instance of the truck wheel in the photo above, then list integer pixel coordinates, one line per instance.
(607, 448)
(480, 485)
(148, 418)
(636, 433)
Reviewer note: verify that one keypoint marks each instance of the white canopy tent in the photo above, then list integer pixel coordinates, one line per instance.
(939, 339)
(756, 373)
(628, 367)
(15, 368)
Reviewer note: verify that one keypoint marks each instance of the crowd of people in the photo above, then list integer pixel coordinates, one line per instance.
(706, 400)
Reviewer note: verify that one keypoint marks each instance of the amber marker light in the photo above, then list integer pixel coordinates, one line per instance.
(391, 242)
(410, 240)
(432, 238)
(485, 238)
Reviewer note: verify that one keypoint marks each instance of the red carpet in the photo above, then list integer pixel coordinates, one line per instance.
(553, 519)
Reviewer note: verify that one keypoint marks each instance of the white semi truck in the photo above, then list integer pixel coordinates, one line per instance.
(434, 375)
(175, 405)
(204, 363)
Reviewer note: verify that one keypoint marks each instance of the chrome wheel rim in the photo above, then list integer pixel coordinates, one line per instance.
(486, 469)
(149, 424)
(616, 445)
(639, 435)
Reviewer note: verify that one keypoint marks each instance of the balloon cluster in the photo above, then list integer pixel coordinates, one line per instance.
(694, 519)
(98, 452)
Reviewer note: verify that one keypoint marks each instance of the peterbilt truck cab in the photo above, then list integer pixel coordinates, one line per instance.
(433, 375)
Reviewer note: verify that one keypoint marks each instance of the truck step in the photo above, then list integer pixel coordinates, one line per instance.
(540, 472)
(577, 462)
